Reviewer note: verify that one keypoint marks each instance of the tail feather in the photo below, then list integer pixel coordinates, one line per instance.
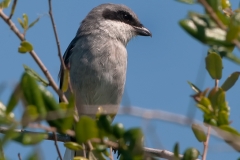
(68, 155)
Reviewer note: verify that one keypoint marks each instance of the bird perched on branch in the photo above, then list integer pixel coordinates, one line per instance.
(97, 57)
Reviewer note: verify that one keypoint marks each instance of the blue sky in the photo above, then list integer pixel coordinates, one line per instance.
(158, 68)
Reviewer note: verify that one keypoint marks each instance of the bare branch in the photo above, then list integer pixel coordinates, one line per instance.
(212, 14)
(35, 57)
(55, 34)
(56, 145)
(111, 154)
(13, 8)
(216, 83)
(19, 156)
(65, 138)
(205, 144)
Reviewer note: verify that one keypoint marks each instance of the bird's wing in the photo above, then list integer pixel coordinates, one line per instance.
(66, 57)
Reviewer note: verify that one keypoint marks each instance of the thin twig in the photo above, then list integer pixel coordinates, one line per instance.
(90, 145)
(212, 14)
(55, 34)
(148, 151)
(216, 83)
(59, 52)
(111, 154)
(84, 150)
(19, 156)
(205, 144)
(35, 57)
(56, 145)
(13, 8)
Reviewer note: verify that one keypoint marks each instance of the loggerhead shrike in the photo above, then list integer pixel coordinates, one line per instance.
(97, 57)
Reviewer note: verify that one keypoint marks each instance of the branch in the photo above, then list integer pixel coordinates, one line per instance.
(56, 145)
(59, 53)
(34, 56)
(19, 156)
(161, 153)
(12, 11)
(205, 144)
(65, 138)
(55, 34)
(212, 14)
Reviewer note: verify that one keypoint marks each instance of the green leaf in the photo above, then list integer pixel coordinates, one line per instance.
(6, 118)
(80, 158)
(212, 122)
(229, 129)
(134, 138)
(25, 21)
(86, 129)
(221, 102)
(13, 99)
(204, 109)
(205, 30)
(68, 121)
(225, 52)
(195, 88)
(214, 65)
(118, 130)
(104, 122)
(101, 147)
(73, 146)
(176, 151)
(9, 135)
(30, 115)
(226, 4)
(212, 97)
(223, 117)
(232, 57)
(96, 155)
(33, 156)
(230, 81)
(55, 115)
(217, 98)
(34, 74)
(48, 99)
(215, 4)
(233, 27)
(65, 80)
(30, 138)
(190, 154)
(34, 22)
(25, 47)
(187, 1)
(206, 103)
(5, 4)
(199, 133)
(32, 94)
(20, 22)
(2, 156)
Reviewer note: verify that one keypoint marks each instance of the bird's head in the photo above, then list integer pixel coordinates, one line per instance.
(116, 21)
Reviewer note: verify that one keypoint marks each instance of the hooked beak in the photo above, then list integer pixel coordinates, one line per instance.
(142, 31)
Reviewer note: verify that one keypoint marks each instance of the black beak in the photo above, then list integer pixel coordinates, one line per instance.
(142, 31)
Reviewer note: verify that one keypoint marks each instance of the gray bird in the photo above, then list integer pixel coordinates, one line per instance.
(97, 57)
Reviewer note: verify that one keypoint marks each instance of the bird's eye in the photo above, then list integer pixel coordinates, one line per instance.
(127, 17)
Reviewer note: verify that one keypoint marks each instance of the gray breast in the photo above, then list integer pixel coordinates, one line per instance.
(98, 71)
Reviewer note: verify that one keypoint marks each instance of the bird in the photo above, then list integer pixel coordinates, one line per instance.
(97, 58)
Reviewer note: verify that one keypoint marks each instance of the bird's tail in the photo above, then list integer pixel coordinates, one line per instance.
(69, 154)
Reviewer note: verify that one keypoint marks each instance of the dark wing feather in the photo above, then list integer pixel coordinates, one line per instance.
(66, 57)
